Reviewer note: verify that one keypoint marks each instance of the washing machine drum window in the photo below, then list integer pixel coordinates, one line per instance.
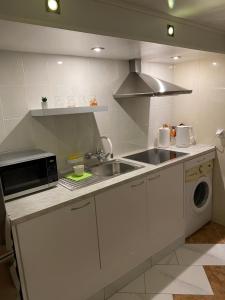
(201, 194)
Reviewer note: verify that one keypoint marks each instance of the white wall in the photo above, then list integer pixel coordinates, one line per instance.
(205, 110)
(160, 107)
(25, 78)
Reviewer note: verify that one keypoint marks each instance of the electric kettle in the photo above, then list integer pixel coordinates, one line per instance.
(184, 136)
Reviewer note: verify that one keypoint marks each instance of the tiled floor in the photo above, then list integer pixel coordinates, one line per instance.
(211, 233)
(201, 254)
(195, 271)
(171, 279)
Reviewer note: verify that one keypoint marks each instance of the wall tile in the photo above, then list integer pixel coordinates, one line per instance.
(14, 102)
(75, 81)
(18, 135)
(11, 69)
(35, 69)
(35, 93)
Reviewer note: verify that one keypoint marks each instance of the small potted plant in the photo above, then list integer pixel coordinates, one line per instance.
(44, 103)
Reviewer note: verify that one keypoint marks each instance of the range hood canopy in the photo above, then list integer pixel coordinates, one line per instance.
(138, 84)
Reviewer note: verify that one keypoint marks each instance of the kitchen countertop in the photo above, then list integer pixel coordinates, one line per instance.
(34, 205)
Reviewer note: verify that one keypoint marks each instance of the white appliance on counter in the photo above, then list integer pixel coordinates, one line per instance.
(164, 137)
(184, 136)
(198, 192)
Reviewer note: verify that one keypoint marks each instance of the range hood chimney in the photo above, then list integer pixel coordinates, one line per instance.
(138, 84)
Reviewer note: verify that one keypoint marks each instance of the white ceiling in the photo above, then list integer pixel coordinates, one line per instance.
(210, 13)
(32, 38)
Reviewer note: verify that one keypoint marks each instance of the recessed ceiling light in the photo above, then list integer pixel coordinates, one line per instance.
(171, 3)
(59, 62)
(170, 30)
(214, 63)
(98, 49)
(53, 6)
(176, 57)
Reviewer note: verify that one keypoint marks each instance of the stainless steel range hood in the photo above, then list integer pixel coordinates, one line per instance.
(138, 84)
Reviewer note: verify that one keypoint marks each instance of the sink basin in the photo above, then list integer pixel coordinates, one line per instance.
(113, 168)
(100, 173)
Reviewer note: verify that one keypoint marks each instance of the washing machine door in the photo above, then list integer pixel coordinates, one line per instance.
(202, 194)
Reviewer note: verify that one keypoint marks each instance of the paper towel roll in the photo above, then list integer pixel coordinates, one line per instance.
(164, 137)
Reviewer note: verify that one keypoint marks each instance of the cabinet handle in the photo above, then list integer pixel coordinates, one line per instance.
(138, 184)
(153, 178)
(82, 206)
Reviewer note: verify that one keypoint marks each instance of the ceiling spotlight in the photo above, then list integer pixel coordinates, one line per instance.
(176, 57)
(170, 30)
(171, 3)
(98, 49)
(59, 62)
(214, 63)
(53, 6)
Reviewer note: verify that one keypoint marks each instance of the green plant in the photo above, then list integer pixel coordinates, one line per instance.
(44, 99)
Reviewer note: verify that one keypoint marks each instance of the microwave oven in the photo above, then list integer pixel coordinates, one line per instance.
(26, 172)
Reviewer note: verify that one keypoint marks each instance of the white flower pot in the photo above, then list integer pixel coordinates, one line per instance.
(44, 105)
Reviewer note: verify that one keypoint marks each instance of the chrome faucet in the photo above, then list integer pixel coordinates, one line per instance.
(100, 154)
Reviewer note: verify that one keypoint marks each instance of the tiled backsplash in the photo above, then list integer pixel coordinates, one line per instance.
(25, 78)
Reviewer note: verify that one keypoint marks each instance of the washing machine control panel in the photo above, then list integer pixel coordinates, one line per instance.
(201, 170)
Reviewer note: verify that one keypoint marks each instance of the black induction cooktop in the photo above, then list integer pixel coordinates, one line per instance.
(155, 156)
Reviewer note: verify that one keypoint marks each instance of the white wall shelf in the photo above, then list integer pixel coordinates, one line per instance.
(66, 111)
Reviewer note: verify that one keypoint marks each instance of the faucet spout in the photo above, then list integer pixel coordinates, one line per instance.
(110, 153)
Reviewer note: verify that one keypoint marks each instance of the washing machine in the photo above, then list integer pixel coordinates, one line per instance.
(198, 192)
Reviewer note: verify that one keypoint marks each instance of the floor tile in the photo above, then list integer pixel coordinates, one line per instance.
(159, 297)
(131, 296)
(201, 254)
(170, 259)
(177, 280)
(216, 276)
(211, 233)
(128, 296)
(193, 297)
(135, 286)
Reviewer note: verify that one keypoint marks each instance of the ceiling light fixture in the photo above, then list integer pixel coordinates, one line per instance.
(176, 57)
(214, 63)
(53, 6)
(170, 30)
(98, 49)
(59, 62)
(171, 3)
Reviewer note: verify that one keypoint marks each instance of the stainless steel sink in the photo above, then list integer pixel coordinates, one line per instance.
(113, 168)
(100, 173)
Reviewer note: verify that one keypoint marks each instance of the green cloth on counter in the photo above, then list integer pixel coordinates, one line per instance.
(72, 176)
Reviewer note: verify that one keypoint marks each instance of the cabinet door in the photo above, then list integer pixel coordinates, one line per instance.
(122, 226)
(166, 207)
(59, 253)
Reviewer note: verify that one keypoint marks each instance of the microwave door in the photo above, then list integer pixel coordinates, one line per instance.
(18, 178)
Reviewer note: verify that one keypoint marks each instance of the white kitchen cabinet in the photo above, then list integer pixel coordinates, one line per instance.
(122, 226)
(166, 207)
(59, 253)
